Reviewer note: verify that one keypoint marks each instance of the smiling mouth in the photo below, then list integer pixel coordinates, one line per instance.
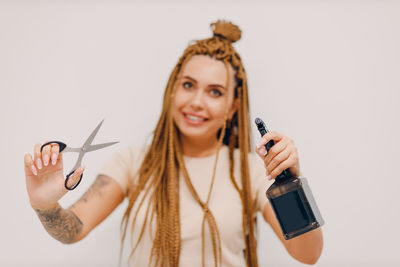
(194, 118)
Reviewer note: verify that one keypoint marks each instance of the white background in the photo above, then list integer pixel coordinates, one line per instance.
(325, 73)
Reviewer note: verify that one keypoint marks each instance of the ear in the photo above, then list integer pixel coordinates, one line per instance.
(233, 109)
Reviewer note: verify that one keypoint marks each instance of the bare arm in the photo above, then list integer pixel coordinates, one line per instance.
(305, 248)
(73, 224)
(61, 224)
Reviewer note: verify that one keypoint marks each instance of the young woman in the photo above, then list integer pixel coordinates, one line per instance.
(194, 192)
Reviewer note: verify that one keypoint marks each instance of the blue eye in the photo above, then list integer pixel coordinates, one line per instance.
(187, 85)
(215, 92)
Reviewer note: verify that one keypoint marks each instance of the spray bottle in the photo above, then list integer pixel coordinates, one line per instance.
(291, 199)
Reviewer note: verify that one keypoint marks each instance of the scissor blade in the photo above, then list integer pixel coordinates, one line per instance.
(79, 161)
(71, 149)
(92, 135)
(99, 146)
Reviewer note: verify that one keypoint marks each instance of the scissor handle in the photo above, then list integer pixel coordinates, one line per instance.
(67, 178)
(61, 144)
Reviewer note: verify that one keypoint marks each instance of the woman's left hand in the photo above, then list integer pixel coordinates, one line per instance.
(282, 155)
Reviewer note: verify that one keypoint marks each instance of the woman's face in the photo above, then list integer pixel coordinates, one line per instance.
(201, 98)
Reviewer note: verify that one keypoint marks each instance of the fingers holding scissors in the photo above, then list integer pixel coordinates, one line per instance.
(40, 163)
(43, 154)
(44, 183)
(74, 178)
(55, 150)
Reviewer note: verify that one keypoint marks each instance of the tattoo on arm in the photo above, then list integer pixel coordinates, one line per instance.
(95, 189)
(61, 224)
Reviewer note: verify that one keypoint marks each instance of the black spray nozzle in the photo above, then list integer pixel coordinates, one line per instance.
(262, 128)
(259, 121)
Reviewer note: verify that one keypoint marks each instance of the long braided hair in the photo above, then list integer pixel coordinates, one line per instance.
(158, 175)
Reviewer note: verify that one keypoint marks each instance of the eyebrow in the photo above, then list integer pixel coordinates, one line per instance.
(212, 85)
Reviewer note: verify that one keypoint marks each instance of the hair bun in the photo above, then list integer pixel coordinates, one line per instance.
(227, 30)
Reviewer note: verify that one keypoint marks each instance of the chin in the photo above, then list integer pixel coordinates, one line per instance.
(196, 133)
(193, 133)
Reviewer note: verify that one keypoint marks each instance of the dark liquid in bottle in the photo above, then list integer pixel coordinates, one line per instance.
(292, 200)
(294, 206)
(291, 212)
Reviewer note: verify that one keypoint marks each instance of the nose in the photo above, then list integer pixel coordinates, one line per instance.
(197, 100)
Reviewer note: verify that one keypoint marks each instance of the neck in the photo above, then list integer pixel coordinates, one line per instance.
(198, 148)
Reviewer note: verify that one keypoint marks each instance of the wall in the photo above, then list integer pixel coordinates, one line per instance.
(324, 73)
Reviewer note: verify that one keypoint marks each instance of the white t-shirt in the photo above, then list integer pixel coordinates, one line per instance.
(225, 204)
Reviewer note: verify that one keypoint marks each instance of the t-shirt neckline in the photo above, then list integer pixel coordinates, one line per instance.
(205, 157)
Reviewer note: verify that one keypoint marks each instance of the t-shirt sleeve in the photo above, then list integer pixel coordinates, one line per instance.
(123, 165)
(259, 182)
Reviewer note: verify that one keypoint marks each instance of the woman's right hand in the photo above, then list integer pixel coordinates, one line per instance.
(44, 176)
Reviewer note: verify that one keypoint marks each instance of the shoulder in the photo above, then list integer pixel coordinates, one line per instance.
(131, 153)
(125, 160)
(123, 165)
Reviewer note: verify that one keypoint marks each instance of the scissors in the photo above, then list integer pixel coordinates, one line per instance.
(87, 147)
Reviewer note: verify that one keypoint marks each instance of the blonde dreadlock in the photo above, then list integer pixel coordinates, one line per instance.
(159, 173)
